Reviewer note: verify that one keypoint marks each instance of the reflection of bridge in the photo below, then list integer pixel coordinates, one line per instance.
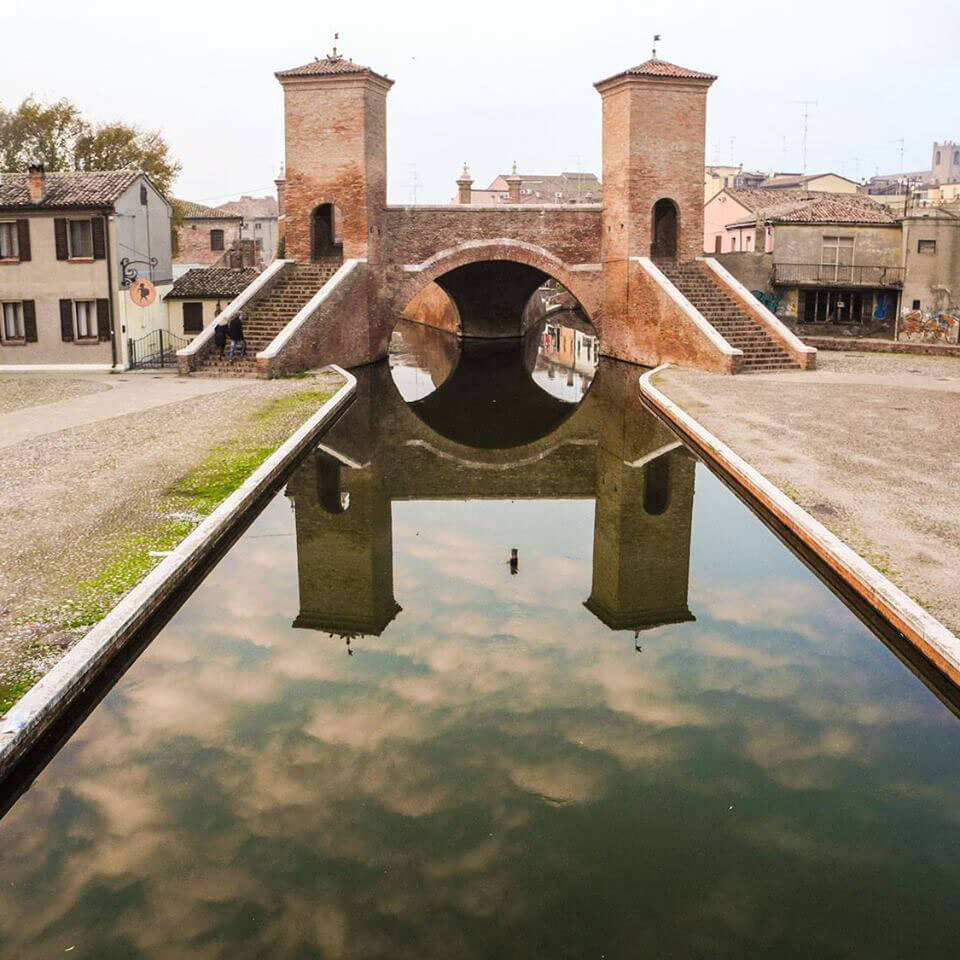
(608, 449)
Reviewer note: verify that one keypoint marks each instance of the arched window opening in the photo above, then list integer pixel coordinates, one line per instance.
(664, 231)
(323, 233)
(656, 486)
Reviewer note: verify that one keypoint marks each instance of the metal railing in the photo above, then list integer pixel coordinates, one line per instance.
(838, 274)
(155, 350)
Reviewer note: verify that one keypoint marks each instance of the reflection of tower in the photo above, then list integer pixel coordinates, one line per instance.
(344, 548)
(641, 544)
(641, 540)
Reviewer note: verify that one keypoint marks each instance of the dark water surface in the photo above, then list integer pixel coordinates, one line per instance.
(661, 737)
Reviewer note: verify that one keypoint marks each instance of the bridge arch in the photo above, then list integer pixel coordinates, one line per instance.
(490, 281)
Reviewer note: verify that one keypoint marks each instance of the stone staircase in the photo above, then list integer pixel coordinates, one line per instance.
(761, 353)
(267, 316)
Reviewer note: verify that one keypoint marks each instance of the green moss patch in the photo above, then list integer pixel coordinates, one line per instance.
(128, 558)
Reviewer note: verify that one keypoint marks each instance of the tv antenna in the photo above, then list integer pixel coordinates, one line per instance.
(806, 104)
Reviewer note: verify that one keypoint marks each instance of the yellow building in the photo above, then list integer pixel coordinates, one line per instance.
(201, 294)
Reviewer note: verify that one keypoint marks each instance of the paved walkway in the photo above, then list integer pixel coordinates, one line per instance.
(868, 444)
(112, 396)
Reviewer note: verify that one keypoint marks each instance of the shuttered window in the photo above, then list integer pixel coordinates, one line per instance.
(12, 320)
(81, 239)
(9, 240)
(85, 312)
(192, 317)
(216, 239)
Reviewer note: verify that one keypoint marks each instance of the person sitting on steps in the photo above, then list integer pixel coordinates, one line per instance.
(236, 336)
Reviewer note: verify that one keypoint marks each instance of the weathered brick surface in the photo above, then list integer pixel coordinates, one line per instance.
(433, 308)
(336, 153)
(194, 240)
(414, 234)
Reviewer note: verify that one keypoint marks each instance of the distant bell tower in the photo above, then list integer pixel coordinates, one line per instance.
(335, 126)
(654, 130)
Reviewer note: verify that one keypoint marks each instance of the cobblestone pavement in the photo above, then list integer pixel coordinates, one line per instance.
(868, 444)
(67, 494)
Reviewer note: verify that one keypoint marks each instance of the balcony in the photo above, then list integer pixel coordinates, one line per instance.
(836, 275)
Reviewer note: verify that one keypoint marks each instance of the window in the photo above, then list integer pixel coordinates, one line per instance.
(927, 247)
(86, 317)
(13, 321)
(836, 258)
(936, 162)
(143, 194)
(733, 243)
(192, 317)
(9, 248)
(81, 239)
(216, 239)
(257, 226)
(916, 304)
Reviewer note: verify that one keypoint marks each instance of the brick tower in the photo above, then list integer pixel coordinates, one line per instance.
(654, 129)
(335, 127)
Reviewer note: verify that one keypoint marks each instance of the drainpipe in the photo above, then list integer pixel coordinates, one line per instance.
(107, 220)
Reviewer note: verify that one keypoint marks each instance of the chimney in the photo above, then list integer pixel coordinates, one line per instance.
(35, 182)
(281, 184)
(464, 185)
(513, 184)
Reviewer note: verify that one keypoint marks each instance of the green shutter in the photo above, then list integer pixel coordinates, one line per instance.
(60, 239)
(66, 320)
(29, 321)
(103, 319)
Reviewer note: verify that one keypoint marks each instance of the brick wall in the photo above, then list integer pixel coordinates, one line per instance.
(335, 153)
(194, 240)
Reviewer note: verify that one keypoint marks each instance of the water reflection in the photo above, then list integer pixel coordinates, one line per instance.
(495, 771)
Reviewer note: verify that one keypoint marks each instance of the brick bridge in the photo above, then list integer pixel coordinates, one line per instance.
(634, 262)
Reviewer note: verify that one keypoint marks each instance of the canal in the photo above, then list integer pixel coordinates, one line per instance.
(369, 734)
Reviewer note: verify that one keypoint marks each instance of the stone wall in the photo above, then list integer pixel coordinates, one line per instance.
(753, 270)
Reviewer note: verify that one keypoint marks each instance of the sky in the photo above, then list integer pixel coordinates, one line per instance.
(497, 82)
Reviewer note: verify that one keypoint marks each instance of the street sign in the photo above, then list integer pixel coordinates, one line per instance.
(143, 292)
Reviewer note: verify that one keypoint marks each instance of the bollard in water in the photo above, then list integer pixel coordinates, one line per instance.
(514, 561)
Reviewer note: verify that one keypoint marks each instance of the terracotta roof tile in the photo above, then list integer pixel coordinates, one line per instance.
(661, 68)
(212, 282)
(805, 206)
(328, 67)
(197, 211)
(99, 188)
(251, 207)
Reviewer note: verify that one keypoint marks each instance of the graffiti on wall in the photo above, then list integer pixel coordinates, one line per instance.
(930, 326)
(770, 300)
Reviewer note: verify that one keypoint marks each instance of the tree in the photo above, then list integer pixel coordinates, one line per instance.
(58, 136)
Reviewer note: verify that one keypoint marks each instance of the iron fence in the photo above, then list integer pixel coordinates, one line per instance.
(155, 350)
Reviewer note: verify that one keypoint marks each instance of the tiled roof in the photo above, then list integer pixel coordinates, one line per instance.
(328, 67)
(98, 188)
(787, 180)
(544, 187)
(212, 282)
(837, 208)
(661, 68)
(197, 211)
(805, 206)
(251, 207)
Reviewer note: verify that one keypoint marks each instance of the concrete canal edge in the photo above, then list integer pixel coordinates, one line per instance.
(55, 692)
(925, 633)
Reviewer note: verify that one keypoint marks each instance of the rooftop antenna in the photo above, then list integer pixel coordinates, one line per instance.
(656, 40)
(806, 104)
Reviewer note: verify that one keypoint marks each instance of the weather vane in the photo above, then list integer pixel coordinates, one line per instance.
(656, 38)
